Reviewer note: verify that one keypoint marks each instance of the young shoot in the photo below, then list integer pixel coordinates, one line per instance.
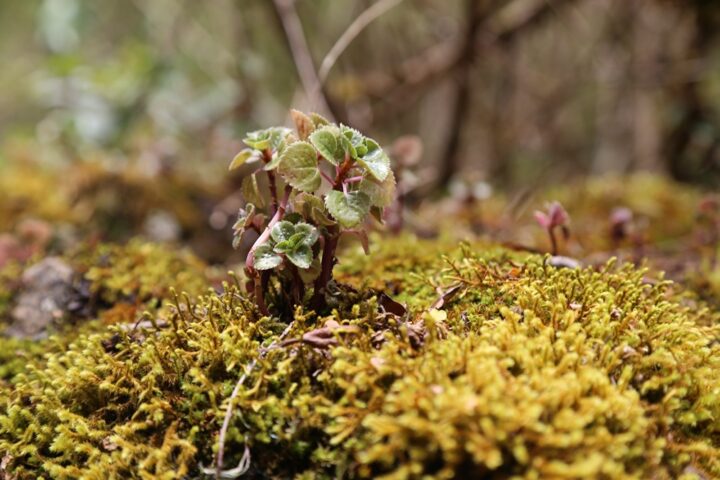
(321, 181)
(553, 217)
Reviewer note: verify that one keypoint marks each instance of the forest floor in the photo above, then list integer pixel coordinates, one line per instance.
(458, 348)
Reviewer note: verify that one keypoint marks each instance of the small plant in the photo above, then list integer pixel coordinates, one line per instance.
(331, 178)
(553, 217)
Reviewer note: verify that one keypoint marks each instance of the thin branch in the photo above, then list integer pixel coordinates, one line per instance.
(434, 62)
(360, 23)
(292, 27)
(235, 392)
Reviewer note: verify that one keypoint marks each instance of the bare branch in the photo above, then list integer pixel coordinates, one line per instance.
(292, 27)
(360, 23)
(445, 56)
(231, 400)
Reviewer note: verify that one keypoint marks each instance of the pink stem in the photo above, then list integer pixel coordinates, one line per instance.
(279, 214)
(327, 177)
(354, 179)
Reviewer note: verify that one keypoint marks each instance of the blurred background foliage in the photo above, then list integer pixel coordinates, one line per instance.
(518, 93)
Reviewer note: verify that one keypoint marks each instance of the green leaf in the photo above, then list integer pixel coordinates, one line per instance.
(251, 191)
(259, 139)
(319, 120)
(354, 137)
(309, 233)
(282, 231)
(299, 167)
(327, 141)
(265, 258)
(267, 138)
(293, 217)
(277, 155)
(246, 155)
(301, 256)
(274, 162)
(289, 236)
(281, 136)
(375, 161)
(348, 209)
(381, 194)
(312, 208)
(244, 221)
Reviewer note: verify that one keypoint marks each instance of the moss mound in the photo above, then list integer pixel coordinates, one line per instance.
(529, 372)
(114, 284)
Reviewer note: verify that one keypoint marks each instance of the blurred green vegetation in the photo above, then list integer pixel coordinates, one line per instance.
(520, 92)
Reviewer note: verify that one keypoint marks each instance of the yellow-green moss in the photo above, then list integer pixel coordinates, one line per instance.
(94, 198)
(665, 209)
(407, 268)
(123, 281)
(27, 191)
(536, 372)
(9, 275)
(141, 271)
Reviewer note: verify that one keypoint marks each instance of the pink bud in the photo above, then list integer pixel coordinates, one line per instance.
(542, 219)
(556, 216)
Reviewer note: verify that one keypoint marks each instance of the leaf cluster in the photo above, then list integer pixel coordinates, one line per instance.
(332, 178)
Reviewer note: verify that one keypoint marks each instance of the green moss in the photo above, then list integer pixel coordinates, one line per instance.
(141, 272)
(9, 275)
(27, 191)
(122, 282)
(410, 269)
(664, 209)
(533, 372)
(17, 354)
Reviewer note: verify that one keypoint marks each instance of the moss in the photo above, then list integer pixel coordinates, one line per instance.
(9, 275)
(531, 372)
(140, 273)
(118, 203)
(408, 268)
(17, 354)
(664, 209)
(118, 283)
(28, 191)
(91, 198)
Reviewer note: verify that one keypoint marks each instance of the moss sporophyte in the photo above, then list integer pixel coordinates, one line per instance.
(322, 181)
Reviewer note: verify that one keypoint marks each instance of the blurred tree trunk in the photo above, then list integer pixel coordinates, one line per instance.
(476, 10)
(691, 146)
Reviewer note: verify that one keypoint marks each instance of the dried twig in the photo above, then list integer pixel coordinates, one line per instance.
(235, 392)
(292, 27)
(434, 62)
(362, 21)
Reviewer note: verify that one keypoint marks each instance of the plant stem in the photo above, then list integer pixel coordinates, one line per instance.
(229, 409)
(253, 286)
(330, 241)
(267, 158)
(553, 241)
(328, 262)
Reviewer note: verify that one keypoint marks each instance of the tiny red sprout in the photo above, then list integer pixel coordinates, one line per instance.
(620, 220)
(554, 216)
